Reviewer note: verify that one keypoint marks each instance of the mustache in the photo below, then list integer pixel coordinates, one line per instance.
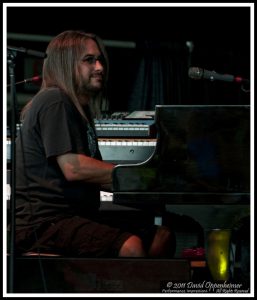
(97, 74)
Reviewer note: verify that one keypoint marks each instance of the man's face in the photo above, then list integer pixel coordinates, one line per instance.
(91, 69)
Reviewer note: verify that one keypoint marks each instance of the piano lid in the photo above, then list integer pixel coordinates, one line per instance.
(202, 155)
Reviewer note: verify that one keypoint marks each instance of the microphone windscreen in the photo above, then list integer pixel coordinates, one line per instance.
(195, 73)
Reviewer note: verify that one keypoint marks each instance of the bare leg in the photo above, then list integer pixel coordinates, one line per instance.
(133, 247)
(162, 244)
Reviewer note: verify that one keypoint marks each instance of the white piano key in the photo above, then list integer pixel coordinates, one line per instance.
(106, 196)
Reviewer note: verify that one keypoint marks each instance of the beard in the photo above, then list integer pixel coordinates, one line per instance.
(91, 87)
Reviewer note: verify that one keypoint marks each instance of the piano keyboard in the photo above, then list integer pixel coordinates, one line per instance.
(113, 127)
(120, 141)
(117, 150)
(125, 151)
(127, 142)
(124, 128)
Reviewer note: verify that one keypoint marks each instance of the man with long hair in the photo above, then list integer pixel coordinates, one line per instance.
(60, 171)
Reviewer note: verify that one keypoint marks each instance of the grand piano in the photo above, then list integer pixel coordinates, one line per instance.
(200, 166)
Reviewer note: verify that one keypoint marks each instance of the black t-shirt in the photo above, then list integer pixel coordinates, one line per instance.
(52, 126)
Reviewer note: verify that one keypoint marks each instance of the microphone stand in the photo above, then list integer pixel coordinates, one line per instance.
(11, 55)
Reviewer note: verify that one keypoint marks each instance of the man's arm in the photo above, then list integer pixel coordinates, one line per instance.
(81, 167)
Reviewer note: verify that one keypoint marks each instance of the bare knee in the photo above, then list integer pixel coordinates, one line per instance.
(133, 247)
(163, 243)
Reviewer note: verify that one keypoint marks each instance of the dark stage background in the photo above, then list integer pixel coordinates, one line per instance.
(157, 47)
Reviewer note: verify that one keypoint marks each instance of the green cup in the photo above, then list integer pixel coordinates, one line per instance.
(218, 253)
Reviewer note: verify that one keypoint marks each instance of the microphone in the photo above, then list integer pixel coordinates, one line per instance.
(199, 73)
(27, 51)
(32, 79)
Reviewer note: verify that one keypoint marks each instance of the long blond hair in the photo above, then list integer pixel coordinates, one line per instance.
(60, 66)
